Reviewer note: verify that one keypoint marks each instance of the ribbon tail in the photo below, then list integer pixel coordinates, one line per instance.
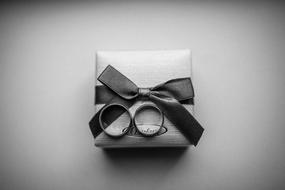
(94, 122)
(103, 94)
(180, 117)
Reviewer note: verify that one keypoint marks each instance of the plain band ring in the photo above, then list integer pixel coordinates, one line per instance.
(149, 131)
(113, 107)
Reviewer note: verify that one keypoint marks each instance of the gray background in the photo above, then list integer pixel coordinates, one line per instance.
(47, 53)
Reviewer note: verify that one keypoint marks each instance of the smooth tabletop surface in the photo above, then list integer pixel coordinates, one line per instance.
(47, 53)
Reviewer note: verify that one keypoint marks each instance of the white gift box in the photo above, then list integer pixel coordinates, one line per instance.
(146, 69)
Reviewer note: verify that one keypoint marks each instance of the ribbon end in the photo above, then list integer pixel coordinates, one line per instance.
(196, 138)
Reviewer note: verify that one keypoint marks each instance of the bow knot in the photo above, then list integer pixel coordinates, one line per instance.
(144, 92)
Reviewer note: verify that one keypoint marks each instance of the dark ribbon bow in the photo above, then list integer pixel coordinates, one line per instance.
(167, 96)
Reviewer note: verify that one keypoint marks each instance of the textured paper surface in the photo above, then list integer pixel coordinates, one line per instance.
(146, 69)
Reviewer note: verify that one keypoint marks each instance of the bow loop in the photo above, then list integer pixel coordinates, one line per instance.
(180, 88)
(118, 83)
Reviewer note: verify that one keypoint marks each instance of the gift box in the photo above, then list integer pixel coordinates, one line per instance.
(145, 69)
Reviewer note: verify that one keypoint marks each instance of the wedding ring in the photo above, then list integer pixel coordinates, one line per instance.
(148, 119)
(115, 127)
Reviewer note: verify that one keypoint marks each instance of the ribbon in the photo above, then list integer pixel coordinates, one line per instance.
(167, 96)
